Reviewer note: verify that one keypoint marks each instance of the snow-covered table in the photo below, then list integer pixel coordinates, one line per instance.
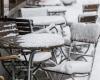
(37, 41)
(43, 40)
(42, 11)
(34, 42)
(46, 20)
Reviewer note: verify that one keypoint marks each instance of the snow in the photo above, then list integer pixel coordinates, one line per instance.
(96, 66)
(89, 14)
(67, 34)
(78, 67)
(6, 30)
(11, 34)
(46, 20)
(39, 56)
(10, 25)
(48, 40)
(29, 12)
(41, 40)
(70, 67)
(55, 8)
(87, 32)
(76, 9)
(73, 13)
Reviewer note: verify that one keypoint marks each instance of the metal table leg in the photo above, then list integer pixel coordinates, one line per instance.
(30, 65)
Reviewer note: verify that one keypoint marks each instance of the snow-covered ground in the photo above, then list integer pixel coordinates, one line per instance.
(96, 66)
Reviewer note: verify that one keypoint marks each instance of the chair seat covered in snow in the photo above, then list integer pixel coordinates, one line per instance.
(70, 67)
(38, 57)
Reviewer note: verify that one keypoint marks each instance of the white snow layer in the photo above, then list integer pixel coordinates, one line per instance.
(41, 40)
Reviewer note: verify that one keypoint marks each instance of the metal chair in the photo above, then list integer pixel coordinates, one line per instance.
(24, 26)
(89, 17)
(87, 34)
(7, 30)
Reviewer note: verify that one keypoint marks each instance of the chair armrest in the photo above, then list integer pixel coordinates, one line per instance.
(10, 57)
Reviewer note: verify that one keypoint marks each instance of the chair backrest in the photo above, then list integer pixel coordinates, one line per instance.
(8, 29)
(90, 7)
(88, 17)
(24, 26)
(29, 12)
(82, 32)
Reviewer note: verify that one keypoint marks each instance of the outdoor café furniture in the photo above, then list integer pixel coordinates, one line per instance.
(89, 35)
(65, 32)
(31, 12)
(88, 17)
(24, 26)
(34, 42)
(90, 7)
(7, 29)
(43, 21)
(39, 41)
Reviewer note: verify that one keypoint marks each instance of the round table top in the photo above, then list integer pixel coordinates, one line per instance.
(43, 40)
(32, 41)
(46, 20)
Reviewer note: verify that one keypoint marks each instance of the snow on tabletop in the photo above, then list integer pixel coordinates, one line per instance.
(29, 12)
(41, 40)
